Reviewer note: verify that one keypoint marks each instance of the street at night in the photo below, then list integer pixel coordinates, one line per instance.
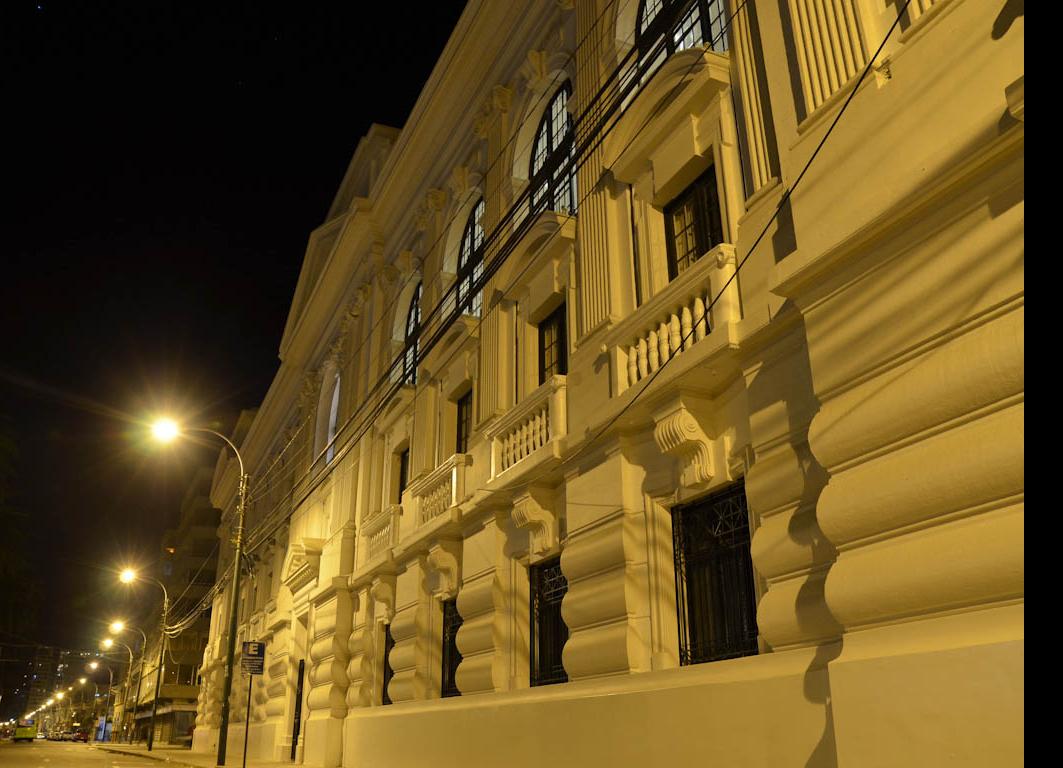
(53, 754)
(590, 383)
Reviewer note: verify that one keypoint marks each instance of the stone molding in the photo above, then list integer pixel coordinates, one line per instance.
(679, 433)
(534, 511)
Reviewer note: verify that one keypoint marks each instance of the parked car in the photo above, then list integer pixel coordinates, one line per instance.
(81, 736)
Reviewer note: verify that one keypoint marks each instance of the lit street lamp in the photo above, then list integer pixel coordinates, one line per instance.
(95, 665)
(118, 627)
(167, 430)
(128, 576)
(108, 643)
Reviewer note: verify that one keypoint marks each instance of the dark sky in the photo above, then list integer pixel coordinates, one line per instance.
(164, 165)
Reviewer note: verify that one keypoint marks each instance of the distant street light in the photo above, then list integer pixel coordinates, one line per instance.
(166, 430)
(117, 627)
(108, 643)
(128, 576)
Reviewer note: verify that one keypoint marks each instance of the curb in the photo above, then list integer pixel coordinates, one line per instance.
(148, 755)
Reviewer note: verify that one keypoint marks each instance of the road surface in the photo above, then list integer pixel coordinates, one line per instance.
(65, 754)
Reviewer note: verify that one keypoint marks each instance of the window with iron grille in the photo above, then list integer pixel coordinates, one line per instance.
(682, 24)
(471, 263)
(548, 631)
(452, 621)
(389, 643)
(464, 430)
(553, 345)
(413, 330)
(404, 474)
(692, 223)
(715, 591)
(552, 174)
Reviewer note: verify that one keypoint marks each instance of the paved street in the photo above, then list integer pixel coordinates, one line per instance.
(60, 754)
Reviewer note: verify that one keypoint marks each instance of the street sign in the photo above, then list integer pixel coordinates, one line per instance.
(253, 659)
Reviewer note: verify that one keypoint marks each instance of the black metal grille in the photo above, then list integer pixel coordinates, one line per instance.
(404, 475)
(549, 633)
(452, 622)
(714, 578)
(411, 339)
(389, 643)
(553, 345)
(692, 223)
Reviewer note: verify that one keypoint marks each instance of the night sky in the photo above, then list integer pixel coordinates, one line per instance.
(164, 165)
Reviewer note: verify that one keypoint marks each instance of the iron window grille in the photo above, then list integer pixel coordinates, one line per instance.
(693, 223)
(553, 345)
(389, 643)
(553, 168)
(471, 263)
(404, 474)
(714, 583)
(548, 630)
(413, 331)
(452, 622)
(682, 24)
(464, 427)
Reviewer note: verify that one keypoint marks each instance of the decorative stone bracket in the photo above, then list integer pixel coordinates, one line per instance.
(534, 510)
(445, 558)
(382, 592)
(681, 434)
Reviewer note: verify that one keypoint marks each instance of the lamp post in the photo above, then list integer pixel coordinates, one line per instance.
(94, 665)
(166, 430)
(108, 643)
(128, 576)
(117, 627)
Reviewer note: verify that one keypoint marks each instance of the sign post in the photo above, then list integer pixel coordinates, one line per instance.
(252, 662)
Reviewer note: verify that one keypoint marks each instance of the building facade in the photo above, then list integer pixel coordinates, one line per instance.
(655, 394)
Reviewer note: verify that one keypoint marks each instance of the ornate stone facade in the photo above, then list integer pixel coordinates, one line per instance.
(846, 353)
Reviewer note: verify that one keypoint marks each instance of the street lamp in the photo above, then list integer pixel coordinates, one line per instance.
(94, 666)
(167, 430)
(108, 643)
(128, 576)
(118, 627)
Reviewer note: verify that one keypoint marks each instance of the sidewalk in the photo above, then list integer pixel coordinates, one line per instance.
(182, 756)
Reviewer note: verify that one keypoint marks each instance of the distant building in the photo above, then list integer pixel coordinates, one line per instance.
(187, 566)
(600, 439)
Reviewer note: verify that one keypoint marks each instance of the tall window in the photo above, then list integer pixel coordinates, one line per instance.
(471, 263)
(452, 622)
(714, 578)
(553, 345)
(553, 170)
(413, 331)
(333, 420)
(389, 643)
(692, 223)
(404, 474)
(548, 631)
(682, 23)
(464, 425)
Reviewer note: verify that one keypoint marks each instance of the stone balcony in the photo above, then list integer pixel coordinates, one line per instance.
(531, 431)
(381, 530)
(676, 319)
(441, 489)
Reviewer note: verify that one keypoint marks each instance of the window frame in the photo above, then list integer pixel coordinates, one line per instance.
(542, 671)
(470, 264)
(558, 319)
(450, 656)
(734, 616)
(411, 338)
(463, 422)
(703, 194)
(552, 172)
(674, 16)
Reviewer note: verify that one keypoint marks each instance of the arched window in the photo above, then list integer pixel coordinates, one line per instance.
(553, 170)
(682, 23)
(413, 330)
(333, 421)
(471, 263)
